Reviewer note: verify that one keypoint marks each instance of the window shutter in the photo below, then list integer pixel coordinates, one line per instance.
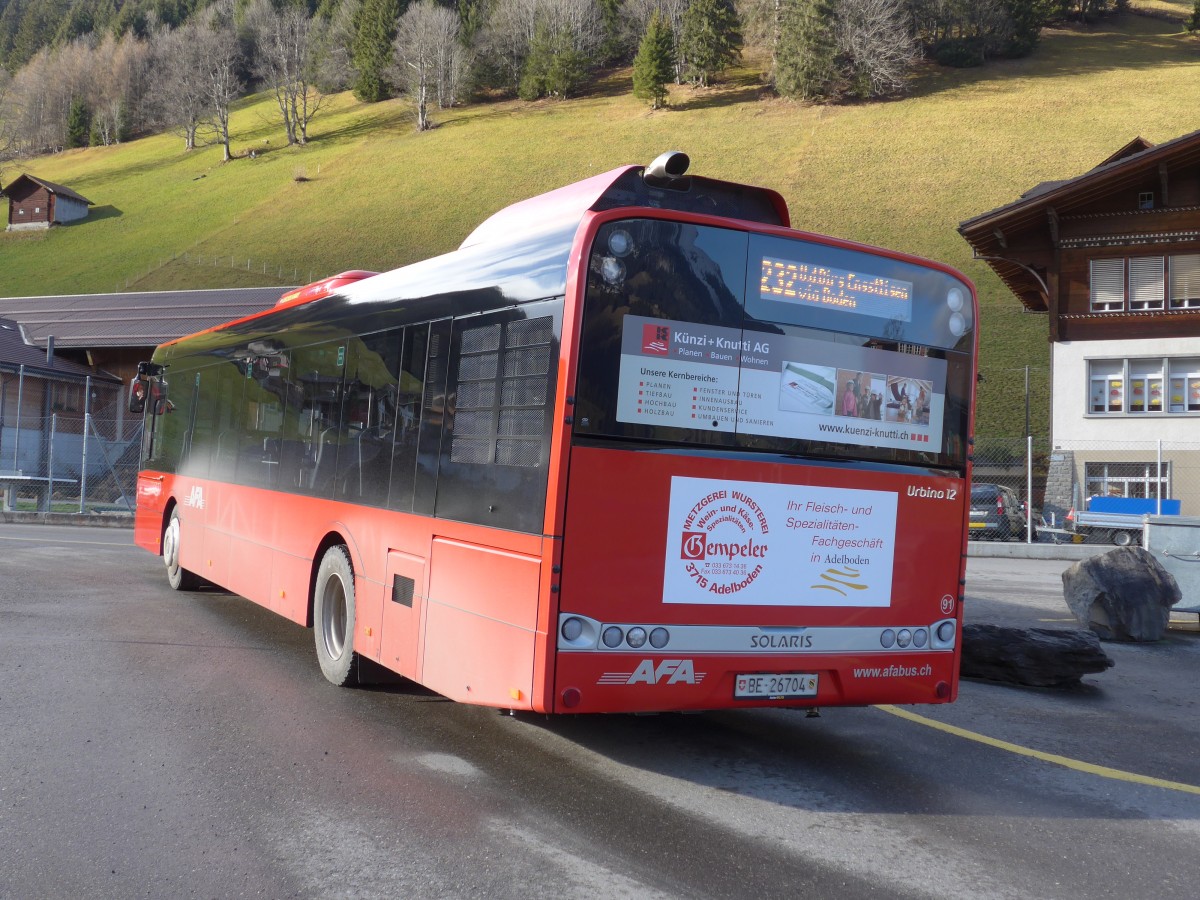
(1185, 281)
(1146, 282)
(1108, 284)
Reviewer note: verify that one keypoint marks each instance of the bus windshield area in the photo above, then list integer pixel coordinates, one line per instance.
(698, 335)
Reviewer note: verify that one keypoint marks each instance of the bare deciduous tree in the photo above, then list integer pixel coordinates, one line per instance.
(179, 97)
(284, 60)
(513, 25)
(876, 46)
(509, 32)
(427, 41)
(219, 55)
(118, 85)
(423, 30)
(333, 39)
(36, 106)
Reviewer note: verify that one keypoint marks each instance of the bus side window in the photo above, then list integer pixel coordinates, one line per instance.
(496, 445)
(228, 421)
(410, 391)
(266, 389)
(309, 440)
(368, 419)
(202, 439)
(434, 406)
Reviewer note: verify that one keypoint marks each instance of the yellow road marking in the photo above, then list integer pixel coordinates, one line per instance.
(55, 541)
(1077, 765)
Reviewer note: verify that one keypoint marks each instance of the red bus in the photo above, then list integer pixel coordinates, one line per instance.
(636, 445)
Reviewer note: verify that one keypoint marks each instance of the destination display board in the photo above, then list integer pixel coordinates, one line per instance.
(828, 287)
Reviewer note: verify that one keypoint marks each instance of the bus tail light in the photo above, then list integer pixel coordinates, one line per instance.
(571, 698)
(943, 634)
(324, 287)
(572, 628)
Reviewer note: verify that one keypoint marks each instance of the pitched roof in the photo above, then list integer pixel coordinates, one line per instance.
(15, 353)
(51, 187)
(986, 232)
(132, 319)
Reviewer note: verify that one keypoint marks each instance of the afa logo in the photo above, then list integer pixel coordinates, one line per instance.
(656, 340)
(672, 671)
(195, 498)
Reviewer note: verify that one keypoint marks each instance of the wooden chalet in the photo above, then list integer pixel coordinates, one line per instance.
(1112, 257)
(36, 203)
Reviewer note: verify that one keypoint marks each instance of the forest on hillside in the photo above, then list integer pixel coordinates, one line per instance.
(80, 72)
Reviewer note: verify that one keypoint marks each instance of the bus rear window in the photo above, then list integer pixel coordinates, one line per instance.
(706, 336)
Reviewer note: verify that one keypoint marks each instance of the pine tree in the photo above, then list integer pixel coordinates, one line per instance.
(79, 124)
(654, 64)
(710, 39)
(1193, 24)
(375, 29)
(806, 50)
(554, 67)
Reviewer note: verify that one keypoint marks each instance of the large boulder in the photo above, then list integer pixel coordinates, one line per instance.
(1122, 595)
(1041, 657)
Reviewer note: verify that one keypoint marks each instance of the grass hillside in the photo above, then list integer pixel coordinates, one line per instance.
(369, 192)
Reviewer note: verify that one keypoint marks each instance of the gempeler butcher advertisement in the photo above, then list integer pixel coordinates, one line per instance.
(759, 544)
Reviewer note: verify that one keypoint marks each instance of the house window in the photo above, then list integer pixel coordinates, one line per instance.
(1127, 479)
(1146, 282)
(1143, 386)
(1107, 380)
(1185, 281)
(1184, 383)
(1108, 284)
(1146, 200)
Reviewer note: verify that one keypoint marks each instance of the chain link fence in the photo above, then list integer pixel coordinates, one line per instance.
(1162, 476)
(80, 458)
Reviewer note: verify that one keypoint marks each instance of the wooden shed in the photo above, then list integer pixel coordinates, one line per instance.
(37, 203)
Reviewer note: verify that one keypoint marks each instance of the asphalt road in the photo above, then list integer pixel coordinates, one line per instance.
(165, 745)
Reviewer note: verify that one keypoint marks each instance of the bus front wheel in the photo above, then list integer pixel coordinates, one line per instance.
(178, 577)
(333, 616)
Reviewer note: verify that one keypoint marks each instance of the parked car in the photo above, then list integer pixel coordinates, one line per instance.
(997, 514)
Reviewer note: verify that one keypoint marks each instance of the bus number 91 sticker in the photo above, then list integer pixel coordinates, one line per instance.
(751, 543)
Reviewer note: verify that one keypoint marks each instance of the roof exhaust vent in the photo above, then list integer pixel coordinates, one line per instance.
(669, 170)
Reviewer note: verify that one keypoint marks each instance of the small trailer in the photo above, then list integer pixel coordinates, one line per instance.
(1118, 520)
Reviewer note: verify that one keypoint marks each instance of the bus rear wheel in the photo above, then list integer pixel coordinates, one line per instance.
(178, 577)
(333, 616)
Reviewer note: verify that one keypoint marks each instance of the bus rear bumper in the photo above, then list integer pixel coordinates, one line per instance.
(607, 683)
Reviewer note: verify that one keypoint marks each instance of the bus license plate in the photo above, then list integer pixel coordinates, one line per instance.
(774, 687)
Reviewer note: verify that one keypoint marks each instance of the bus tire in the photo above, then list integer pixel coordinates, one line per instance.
(179, 578)
(333, 616)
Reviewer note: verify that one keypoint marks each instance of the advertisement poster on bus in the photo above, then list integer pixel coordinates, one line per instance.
(706, 377)
(761, 544)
